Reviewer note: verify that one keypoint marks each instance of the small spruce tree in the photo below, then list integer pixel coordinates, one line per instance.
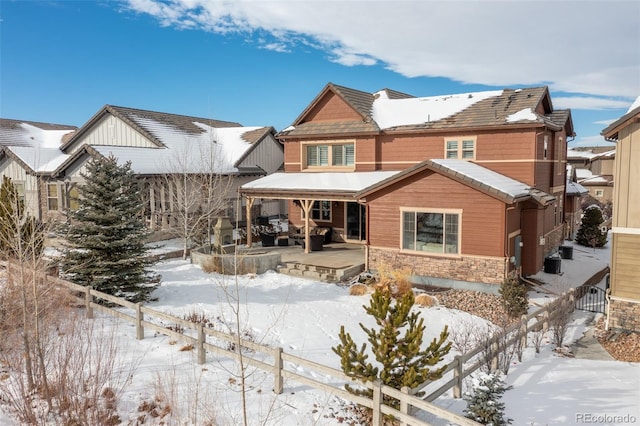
(483, 403)
(589, 234)
(514, 297)
(106, 234)
(396, 345)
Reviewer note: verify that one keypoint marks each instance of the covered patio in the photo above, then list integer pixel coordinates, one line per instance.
(335, 190)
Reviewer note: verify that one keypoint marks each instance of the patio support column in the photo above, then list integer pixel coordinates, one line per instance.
(306, 207)
(249, 206)
(152, 205)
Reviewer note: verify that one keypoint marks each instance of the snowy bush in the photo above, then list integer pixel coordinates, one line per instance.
(483, 403)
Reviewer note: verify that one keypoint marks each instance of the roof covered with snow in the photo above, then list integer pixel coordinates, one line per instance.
(355, 185)
(388, 110)
(574, 189)
(36, 145)
(575, 153)
(345, 183)
(479, 175)
(611, 131)
(184, 144)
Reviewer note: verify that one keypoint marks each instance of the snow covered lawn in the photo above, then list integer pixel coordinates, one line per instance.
(304, 318)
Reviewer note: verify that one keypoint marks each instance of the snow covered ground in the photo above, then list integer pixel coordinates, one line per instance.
(304, 318)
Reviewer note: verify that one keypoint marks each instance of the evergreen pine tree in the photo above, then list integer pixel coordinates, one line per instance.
(589, 233)
(483, 404)
(107, 234)
(396, 346)
(21, 235)
(514, 297)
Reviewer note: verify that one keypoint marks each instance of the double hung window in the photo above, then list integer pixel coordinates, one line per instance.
(460, 148)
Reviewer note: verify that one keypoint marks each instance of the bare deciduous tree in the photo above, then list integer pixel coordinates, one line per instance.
(196, 189)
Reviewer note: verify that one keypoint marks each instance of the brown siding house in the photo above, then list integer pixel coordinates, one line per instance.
(467, 187)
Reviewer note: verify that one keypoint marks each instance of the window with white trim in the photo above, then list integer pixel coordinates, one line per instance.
(74, 198)
(460, 148)
(599, 193)
(19, 186)
(431, 232)
(320, 211)
(329, 155)
(52, 196)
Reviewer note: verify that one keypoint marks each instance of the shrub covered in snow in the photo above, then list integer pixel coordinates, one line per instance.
(483, 402)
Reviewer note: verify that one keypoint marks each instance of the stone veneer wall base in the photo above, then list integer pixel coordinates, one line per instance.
(624, 314)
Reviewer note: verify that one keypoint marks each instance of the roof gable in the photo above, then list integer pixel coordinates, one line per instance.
(480, 178)
(633, 115)
(138, 119)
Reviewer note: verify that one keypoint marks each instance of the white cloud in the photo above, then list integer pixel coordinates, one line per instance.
(604, 123)
(568, 45)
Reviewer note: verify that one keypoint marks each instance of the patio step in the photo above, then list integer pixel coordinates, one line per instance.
(320, 273)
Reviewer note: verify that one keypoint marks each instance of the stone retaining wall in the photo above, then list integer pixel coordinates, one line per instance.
(249, 261)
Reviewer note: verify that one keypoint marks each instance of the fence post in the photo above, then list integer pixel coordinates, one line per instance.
(277, 371)
(139, 318)
(523, 335)
(87, 302)
(494, 355)
(202, 355)
(377, 403)
(404, 403)
(457, 377)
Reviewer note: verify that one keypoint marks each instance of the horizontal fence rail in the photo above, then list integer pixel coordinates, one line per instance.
(283, 365)
(268, 359)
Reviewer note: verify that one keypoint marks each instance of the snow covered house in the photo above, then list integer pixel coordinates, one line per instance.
(467, 187)
(29, 151)
(600, 182)
(157, 145)
(624, 308)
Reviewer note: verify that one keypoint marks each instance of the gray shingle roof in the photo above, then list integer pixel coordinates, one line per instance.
(13, 134)
(490, 112)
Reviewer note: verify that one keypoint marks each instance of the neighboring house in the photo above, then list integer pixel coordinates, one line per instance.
(594, 170)
(29, 151)
(600, 182)
(466, 187)
(159, 145)
(624, 307)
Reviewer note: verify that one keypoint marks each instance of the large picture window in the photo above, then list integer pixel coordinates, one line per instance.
(330, 155)
(431, 232)
(460, 148)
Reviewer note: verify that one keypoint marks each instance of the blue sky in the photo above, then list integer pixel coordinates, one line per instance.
(262, 62)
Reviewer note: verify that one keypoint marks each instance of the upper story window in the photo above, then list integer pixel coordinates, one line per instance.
(329, 155)
(460, 148)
